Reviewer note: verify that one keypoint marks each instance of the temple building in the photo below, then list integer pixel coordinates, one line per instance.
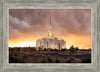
(51, 41)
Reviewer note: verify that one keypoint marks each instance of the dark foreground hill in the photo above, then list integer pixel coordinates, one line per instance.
(30, 55)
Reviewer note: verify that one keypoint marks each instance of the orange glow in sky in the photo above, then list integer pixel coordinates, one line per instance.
(28, 25)
(83, 42)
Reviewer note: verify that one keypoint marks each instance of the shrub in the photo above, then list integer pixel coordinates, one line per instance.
(11, 59)
(45, 49)
(32, 49)
(15, 54)
(55, 49)
(43, 61)
(86, 60)
(21, 61)
(43, 56)
(49, 59)
(57, 61)
(24, 56)
(18, 49)
(68, 61)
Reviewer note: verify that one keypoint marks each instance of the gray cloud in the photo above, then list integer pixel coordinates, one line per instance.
(24, 22)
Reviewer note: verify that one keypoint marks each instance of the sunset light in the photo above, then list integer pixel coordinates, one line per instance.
(50, 36)
(28, 25)
(24, 44)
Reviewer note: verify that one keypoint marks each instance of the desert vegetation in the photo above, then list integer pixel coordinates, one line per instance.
(34, 55)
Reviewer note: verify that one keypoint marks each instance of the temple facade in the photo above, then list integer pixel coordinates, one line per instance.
(51, 41)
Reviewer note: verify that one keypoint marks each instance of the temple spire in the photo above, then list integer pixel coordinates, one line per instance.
(50, 31)
(50, 20)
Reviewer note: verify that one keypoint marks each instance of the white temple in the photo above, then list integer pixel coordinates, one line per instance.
(51, 41)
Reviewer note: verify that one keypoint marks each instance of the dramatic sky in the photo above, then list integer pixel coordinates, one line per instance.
(28, 25)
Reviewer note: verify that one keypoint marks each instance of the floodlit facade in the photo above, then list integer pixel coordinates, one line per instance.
(51, 41)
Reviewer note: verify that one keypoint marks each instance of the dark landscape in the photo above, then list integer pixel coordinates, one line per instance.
(34, 55)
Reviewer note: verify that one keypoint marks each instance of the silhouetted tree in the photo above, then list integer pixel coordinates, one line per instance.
(72, 50)
(76, 49)
(89, 49)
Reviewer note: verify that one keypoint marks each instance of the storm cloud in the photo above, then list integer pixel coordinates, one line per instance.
(35, 22)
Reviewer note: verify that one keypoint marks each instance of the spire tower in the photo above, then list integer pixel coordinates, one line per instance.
(50, 31)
